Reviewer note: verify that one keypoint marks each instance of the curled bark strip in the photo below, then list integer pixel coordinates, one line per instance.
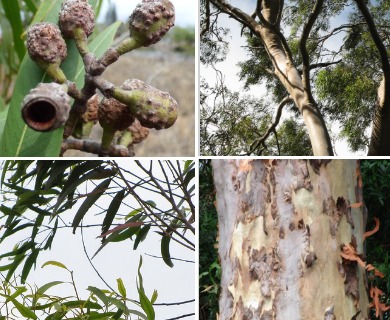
(370, 233)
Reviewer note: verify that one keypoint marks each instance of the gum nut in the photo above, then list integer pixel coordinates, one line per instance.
(46, 107)
(76, 14)
(151, 20)
(45, 42)
(152, 107)
(114, 114)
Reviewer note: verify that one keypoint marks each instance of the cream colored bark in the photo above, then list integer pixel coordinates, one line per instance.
(281, 228)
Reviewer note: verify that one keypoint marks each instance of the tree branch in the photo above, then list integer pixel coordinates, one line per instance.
(256, 144)
(302, 45)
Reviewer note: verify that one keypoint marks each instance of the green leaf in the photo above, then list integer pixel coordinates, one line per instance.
(54, 263)
(165, 241)
(112, 210)
(141, 235)
(47, 286)
(154, 296)
(89, 202)
(99, 293)
(3, 115)
(146, 304)
(24, 311)
(30, 261)
(121, 287)
(13, 14)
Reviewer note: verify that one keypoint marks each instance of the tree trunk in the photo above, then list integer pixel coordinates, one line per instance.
(282, 227)
(285, 69)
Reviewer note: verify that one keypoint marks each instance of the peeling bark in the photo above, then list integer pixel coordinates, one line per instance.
(280, 237)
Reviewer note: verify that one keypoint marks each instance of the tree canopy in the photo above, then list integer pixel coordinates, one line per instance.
(323, 68)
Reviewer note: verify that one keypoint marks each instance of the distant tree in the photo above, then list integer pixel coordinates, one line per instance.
(345, 84)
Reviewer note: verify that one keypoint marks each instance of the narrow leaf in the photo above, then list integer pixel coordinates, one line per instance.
(47, 286)
(121, 227)
(141, 236)
(24, 311)
(165, 241)
(89, 202)
(112, 210)
(121, 287)
(99, 293)
(54, 263)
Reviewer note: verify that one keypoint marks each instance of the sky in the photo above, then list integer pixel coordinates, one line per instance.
(186, 10)
(237, 53)
(116, 260)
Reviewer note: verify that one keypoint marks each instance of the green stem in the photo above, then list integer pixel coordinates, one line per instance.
(80, 38)
(108, 136)
(126, 139)
(127, 45)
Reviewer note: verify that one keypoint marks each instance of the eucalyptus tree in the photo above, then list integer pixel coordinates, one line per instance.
(295, 50)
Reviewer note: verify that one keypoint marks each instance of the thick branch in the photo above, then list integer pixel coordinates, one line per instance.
(302, 45)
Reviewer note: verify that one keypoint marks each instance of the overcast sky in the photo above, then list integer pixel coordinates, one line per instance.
(186, 10)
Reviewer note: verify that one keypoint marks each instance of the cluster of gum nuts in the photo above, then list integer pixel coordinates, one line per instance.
(134, 106)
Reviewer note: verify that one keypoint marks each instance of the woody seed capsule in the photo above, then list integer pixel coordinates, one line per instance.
(46, 107)
(151, 20)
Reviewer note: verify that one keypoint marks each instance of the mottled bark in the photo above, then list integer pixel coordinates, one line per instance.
(281, 228)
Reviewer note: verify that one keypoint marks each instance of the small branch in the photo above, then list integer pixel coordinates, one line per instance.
(177, 259)
(182, 316)
(91, 146)
(260, 141)
(174, 303)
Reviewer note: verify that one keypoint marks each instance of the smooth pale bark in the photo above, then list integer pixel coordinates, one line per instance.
(284, 68)
(380, 135)
(281, 227)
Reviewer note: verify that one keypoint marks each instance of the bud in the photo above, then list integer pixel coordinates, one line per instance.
(75, 15)
(46, 107)
(151, 20)
(152, 107)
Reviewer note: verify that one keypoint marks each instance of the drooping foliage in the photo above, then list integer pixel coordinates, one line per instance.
(37, 194)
